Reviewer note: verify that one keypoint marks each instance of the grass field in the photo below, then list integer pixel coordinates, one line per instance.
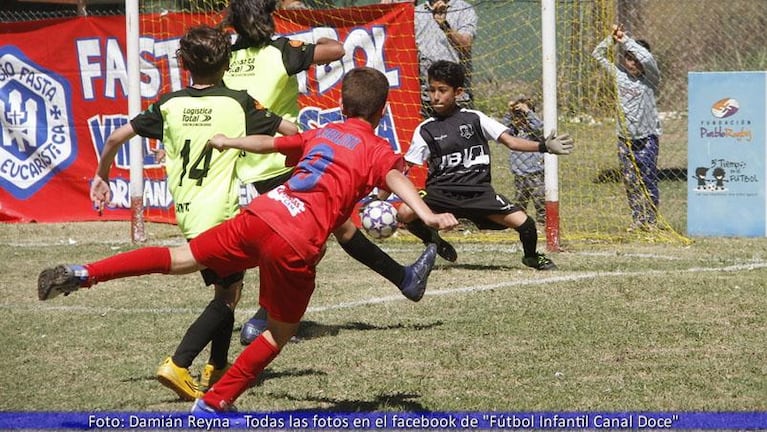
(630, 326)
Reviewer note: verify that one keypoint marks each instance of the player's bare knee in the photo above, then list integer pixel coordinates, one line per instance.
(182, 261)
(512, 220)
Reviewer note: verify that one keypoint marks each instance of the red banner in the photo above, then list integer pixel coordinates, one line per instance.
(63, 90)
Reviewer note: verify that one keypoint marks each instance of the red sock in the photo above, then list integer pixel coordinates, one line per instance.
(248, 366)
(134, 263)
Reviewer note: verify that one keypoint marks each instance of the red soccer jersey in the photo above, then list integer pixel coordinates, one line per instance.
(336, 166)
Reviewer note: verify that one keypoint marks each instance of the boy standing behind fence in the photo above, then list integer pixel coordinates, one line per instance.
(527, 167)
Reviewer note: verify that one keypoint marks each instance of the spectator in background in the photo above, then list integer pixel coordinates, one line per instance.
(527, 167)
(638, 125)
(445, 30)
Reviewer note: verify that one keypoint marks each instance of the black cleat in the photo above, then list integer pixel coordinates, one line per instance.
(445, 249)
(539, 262)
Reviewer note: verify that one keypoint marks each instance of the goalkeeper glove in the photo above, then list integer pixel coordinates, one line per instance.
(556, 144)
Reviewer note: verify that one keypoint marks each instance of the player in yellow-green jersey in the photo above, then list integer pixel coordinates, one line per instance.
(202, 182)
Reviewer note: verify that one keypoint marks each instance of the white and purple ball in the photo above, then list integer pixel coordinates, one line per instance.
(379, 219)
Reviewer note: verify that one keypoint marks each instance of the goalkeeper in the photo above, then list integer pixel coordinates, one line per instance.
(453, 143)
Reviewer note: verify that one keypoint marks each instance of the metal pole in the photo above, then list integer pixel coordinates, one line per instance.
(549, 47)
(138, 233)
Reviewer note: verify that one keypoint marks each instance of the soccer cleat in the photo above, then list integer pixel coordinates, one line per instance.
(179, 380)
(251, 330)
(430, 235)
(417, 274)
(63, 279)
(233, 419)
(445, 249)
(210, 375)
(201, 409)
(539, 262)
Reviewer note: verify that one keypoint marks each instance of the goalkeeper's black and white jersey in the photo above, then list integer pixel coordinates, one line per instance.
(455, 148)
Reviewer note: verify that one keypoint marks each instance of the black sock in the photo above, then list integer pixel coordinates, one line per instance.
(260, 314)
(365, 251)
(201, 332)
(219, 345)
(420, 230)
(528, 236)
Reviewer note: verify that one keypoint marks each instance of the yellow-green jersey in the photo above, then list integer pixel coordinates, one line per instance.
(269, 75)
(201, 179)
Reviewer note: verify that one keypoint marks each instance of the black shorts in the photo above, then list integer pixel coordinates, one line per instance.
(210, 277)
(471, 202)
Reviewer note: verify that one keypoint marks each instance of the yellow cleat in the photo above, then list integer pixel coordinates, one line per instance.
(179, 380)
(210, 375)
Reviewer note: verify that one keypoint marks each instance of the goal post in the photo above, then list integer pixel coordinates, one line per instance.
(549, 54)
(132, 25)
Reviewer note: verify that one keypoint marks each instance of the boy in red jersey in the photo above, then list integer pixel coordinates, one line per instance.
(282, 232)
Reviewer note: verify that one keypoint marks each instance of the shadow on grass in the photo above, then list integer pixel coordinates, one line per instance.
(390, 401)
(268, 374)
(483, 266)
(312, 329)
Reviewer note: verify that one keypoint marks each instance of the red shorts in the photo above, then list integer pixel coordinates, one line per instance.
(246, 241)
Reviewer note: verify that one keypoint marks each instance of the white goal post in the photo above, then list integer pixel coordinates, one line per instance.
(138, 232)
(551, 167)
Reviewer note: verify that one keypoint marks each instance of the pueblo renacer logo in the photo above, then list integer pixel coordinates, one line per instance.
(724, 108)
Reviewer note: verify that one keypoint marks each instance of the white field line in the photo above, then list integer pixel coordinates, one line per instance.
(41, 307)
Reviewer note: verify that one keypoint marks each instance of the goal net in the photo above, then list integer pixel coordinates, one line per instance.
(506, 62)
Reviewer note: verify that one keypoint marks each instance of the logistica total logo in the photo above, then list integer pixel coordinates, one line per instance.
(37, 140)
(197, 116)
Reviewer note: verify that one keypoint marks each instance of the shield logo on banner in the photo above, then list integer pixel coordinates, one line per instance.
(37, 140)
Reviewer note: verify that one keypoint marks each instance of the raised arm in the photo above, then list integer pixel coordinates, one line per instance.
(600, 53)
(646, 59)
(327, 50)
(462, 37)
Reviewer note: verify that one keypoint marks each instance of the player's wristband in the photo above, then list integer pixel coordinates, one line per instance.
(542, 146)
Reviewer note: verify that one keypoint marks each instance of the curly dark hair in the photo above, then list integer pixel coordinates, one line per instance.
(450, 73)
(204, 51)
(252, 20)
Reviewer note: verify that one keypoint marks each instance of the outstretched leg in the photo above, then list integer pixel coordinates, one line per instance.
(65, 279)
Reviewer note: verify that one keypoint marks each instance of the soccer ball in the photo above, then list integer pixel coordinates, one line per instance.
(379, 219)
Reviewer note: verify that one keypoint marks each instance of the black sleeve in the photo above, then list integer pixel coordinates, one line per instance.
(149, 124)
(259, 120)
(297, 56)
